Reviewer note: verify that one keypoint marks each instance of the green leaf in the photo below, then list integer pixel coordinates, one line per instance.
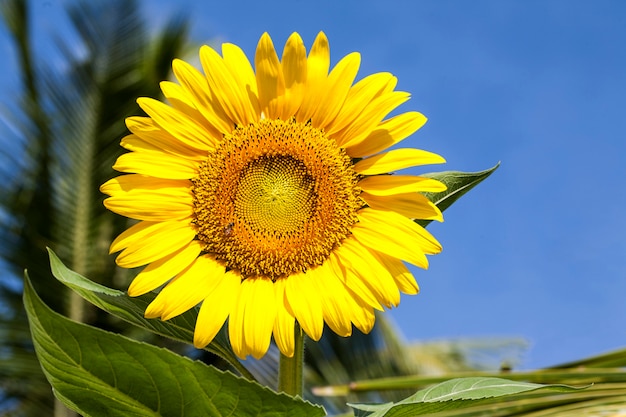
(614, 359)
(458, 184)
(453, 394)
(99, 373)
(132, 309)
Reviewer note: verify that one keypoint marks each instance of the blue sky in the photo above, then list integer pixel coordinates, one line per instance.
(536, 251)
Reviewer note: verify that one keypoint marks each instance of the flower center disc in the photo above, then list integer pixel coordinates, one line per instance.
(275, 198)
(275, 195)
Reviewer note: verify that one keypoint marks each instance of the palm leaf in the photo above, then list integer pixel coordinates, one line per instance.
(59, 141)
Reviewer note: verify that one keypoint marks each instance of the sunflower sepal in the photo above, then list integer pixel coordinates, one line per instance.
(95, 373)
(131, 309)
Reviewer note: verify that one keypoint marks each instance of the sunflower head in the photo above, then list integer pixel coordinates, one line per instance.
(263, 194)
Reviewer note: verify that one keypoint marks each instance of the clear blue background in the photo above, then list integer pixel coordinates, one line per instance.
(537, 250)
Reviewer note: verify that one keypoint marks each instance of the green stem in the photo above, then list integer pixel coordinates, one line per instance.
(290, 369)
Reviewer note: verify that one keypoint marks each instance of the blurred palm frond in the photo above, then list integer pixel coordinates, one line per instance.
(60, 137)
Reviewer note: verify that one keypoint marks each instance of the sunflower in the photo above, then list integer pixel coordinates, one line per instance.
(265, 196)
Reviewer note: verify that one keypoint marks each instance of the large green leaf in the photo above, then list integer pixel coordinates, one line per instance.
(458, 184)
(453, 394)
(132, 309)
(99, 373)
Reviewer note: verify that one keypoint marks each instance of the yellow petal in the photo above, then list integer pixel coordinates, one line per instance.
(239, 65)
(188, 289)
(395, 235)
(334, 299)
(147, 198)
(338, 85)
(164, 269)
(215, 309)
(284, 323)
(178, 124)
(318, 64)
(360, 312)
(134, 257)
(269, 77)
(389, 87)
(147, 242)
(134, 143)
(411, 205)
(382, 185)
(242, 71)
(260, 315)
(395, 160)
(341, 261)
(359, 96)
(362, 316)
(370, 118)
(294, 67)
(305, 304)
(157, 165)
(231, 95)
(319, 56)
(236, 326)
(372, 273)
(135, 233)
(149, 136)
(197, 89)
(386, 134)
(133, 182)
(252, 320)
(400, 273)
(179, 99)
(182, 101)
(151, 206)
